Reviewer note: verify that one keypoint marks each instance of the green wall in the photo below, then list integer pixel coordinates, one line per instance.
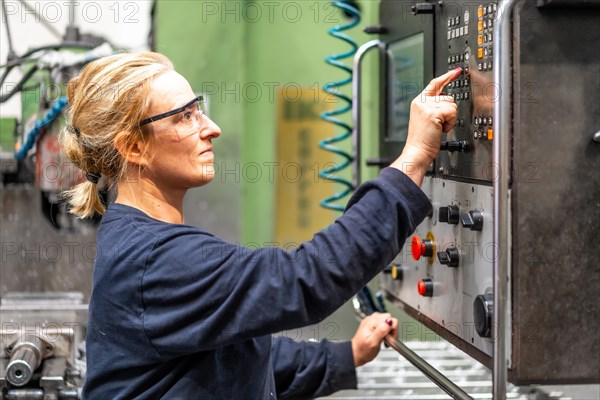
(290, 51)
(209, 53)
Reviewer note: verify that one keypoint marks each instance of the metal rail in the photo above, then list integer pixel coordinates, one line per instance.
(356, 113)
(501, 159)
(429, 371)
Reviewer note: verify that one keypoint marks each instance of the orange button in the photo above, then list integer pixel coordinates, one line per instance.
(480, 52)
(480, 26)
(480, 11)
(490, 134)
(480, 39)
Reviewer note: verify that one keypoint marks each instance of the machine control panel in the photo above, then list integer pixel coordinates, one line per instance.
(444, 275)
(447, 262)
(469, 44)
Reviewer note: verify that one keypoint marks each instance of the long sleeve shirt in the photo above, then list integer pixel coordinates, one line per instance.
(178, 313)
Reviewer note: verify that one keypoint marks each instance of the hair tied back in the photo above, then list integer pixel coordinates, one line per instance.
(74, 131)
(94, 178)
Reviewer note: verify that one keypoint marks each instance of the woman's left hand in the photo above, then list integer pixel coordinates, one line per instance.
(369, 335)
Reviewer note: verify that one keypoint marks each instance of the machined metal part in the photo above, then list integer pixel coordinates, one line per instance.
(356, 107)
(24, 394)
(39, 394)
(25, 358)
(39, 341)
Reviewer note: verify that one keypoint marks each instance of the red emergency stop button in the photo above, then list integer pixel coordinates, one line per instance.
(425, 287)
(421, 248)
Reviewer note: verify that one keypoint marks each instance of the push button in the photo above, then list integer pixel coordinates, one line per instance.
(394, 271)
(490, 134)
(425, 287)
(421, 248)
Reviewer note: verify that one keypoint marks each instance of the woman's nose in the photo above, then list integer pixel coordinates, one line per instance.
(209, 129)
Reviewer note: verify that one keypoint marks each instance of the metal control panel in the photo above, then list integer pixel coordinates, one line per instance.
(446, 292)
(444, 275)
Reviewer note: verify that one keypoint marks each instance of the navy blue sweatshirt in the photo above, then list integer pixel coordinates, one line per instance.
(178, 313)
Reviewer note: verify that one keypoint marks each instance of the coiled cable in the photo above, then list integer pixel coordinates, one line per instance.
(332, 88)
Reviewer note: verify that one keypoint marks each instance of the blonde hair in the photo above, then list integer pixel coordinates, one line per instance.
(106, 103)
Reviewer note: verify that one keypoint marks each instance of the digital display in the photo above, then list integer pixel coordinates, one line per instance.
(406, 79)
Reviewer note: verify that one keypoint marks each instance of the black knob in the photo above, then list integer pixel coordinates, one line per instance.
(454, 145)
(450, 257)
(450, 214)
(472, 220)
(483, 308)
(375, 30)
(422, 8)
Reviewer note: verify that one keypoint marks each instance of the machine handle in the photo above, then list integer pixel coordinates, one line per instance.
(501, 158)
(436, 376)
(356, 84)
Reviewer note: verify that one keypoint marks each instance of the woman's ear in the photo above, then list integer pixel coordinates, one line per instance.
(133, 151)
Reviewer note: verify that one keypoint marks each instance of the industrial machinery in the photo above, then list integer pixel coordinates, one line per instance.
(505, 267)
(47, 254)
(40, 337)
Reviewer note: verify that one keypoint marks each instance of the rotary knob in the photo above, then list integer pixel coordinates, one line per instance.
(421, 248)
(455, 145)
(472, 220)
(450, 257)
(450, 214)
(483, 307)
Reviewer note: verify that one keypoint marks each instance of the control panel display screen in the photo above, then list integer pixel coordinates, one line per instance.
(406, 77)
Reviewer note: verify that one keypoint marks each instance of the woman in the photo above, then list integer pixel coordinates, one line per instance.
(176, 312)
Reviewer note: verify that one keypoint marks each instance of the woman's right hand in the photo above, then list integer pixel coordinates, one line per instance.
(431, 113)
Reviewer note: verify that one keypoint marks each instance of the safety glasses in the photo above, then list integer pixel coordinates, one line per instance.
(199, 100)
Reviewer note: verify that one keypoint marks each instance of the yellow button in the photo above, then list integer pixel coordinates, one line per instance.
(480, 11)
(394, 272)
(480, 39)
(480, 26)
(490, 134)
(480, 52)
